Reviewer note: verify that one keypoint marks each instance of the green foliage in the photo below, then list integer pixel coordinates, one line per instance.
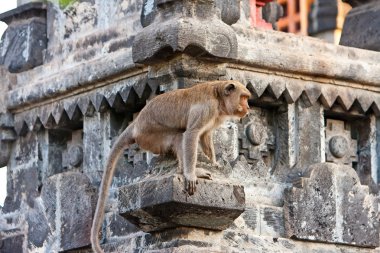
(64, 3)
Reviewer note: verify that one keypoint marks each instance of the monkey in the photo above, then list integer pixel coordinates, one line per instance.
(176, 122)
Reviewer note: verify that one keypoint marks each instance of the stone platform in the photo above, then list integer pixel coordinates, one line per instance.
(162, 203)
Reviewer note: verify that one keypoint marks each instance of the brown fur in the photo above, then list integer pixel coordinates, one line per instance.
(176, 122)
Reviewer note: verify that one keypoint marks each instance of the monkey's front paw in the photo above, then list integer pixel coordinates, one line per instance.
(190, 184)
(202, 173)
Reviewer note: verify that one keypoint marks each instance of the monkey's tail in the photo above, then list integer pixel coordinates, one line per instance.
(123, 142)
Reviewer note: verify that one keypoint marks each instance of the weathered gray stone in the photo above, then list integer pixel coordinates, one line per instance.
(361, 26)
(89, 89)
(7, 136)
(293, 87)
(69, 200)
(272, 222)
(364, 131)
(340, 147)
(307, 128)
(230, 10)
(272, 12)
(175, 29)
(332, 206)
(23, 43)
(153, 207)
(322, 16)
(118, 226)
(38, 227)
(23, 170)
(264, 220)
(12, 244)
(80, 15)
(257, 138)
(226, 141)
(97, 140)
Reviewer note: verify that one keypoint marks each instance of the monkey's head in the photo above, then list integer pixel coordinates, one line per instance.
(235, 97)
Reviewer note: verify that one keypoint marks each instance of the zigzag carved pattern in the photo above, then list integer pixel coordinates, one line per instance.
(292, 89)
(132, 91)
(128, 94)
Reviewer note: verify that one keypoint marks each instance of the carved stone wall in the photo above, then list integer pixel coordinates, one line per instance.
(298, 174)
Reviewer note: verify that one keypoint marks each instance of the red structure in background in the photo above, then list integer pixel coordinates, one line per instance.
(256, 14)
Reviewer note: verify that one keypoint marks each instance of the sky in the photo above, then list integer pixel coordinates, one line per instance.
(5, 5)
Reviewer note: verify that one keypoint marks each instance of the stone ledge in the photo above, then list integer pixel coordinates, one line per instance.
(311, 57)
(152, 207)
(24, 11)
(73, 79)
(319, 61)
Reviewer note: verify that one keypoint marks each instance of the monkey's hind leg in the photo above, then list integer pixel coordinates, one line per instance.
(207, 145)
(177, 150)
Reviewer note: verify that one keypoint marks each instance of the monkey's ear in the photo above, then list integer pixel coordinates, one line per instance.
(229, 89)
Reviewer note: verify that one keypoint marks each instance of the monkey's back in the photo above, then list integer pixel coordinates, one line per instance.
(171, 110)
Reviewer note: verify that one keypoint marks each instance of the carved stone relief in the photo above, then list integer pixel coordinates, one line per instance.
(179, 27)
(340, 147)
(332, 206)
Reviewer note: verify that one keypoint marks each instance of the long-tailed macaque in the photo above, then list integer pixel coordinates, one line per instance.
(176, 122)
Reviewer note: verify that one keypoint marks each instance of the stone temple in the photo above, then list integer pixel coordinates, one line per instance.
(299, 174)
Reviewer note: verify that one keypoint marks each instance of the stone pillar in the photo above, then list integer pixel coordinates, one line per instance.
(326, 20)
(309, 144)
(361, 27)
(96, 144)
(272, 12)
(25, 39)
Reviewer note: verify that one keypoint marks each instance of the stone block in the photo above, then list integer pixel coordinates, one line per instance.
(12, 244)
(361, 27)
(38, 226)
(23, 42)
(322, 16)
(175, 29)
(226, 141)
(332, 206)
(229, 11)
(117, 226)
(153, 207)
(69, 200)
